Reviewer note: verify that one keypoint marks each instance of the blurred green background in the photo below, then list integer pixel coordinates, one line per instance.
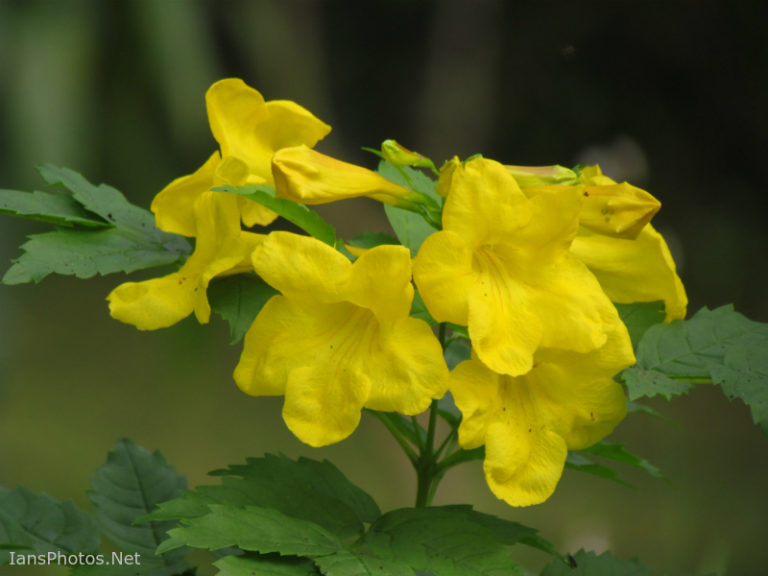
(669, 95)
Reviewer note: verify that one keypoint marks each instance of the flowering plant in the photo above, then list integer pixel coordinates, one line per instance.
(527, 308)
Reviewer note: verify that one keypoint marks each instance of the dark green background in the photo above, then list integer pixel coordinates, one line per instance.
(669, 95)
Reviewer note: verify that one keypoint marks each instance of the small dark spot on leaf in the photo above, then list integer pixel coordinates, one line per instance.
(572, 561)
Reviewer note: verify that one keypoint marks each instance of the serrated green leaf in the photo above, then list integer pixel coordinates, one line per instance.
(60, 209)
(132, 242)
(130, 485)
(265, 565)
(254, 529)
(85, 253)
(450, 540)
(238, 300)
(589, 564)
(640, 316)
(308, 220)
(144, 568)
(306, 489)
(410, 228)
(33, 523)
(347, 563)
(718, 345)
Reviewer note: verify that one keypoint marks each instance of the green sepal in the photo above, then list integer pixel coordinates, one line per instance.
(125, 241)
(298, 214)
(590, 564)
(129, 486)
(33, 523)
(238, 300)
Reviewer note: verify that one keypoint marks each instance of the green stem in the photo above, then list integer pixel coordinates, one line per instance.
(383, 417)
(426, 465)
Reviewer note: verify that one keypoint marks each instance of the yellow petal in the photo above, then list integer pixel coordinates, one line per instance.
(251, 129)
(443, 270)
(380, 280)
(174, 205)
(306, 176)
(301, 265)
(484, 203)
(617, 209)
(634, 270)
(154, 304)
(523, 463)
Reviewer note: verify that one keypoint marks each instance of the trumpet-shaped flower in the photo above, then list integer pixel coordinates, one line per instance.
(249, 131)
(339, 338)
(221, 248)
(568, 401)
(306, 176)
(502, 266)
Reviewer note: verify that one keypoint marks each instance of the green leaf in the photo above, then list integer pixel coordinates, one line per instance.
(130, 485)
(131, 242)
(265, 565)
(307, 489)
(252, 528)
(580, 463)
(238, 300)
(369, 240)
(618, 453)
(347, 563)
(718, 345)
(451, 540)
(589, 564)
(640, 316)
(410, 228)
(308, 220)
(60, 209)
(37, 524)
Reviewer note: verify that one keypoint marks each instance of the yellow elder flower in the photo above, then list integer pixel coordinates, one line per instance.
(249, 131)
(339, 338)
(633, 267)
(568, 401)
(306, 176)
(502, 266)
(221, 248)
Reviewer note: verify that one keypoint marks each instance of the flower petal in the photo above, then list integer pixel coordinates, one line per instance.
(301, 266)
(251, 129)
(173, 206)
(304, 175)
(634, 270)
(443, 273)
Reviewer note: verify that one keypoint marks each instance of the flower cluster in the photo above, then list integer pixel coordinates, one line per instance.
(526, 261)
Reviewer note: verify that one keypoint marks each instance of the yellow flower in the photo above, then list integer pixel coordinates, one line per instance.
(306, 176)
(502, 267)
(339, 338)
(568, 401)
(542, 175)
(249, 131)
(629, 257)
(221, 248)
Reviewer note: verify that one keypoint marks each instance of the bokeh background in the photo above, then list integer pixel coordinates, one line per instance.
(669, 95)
